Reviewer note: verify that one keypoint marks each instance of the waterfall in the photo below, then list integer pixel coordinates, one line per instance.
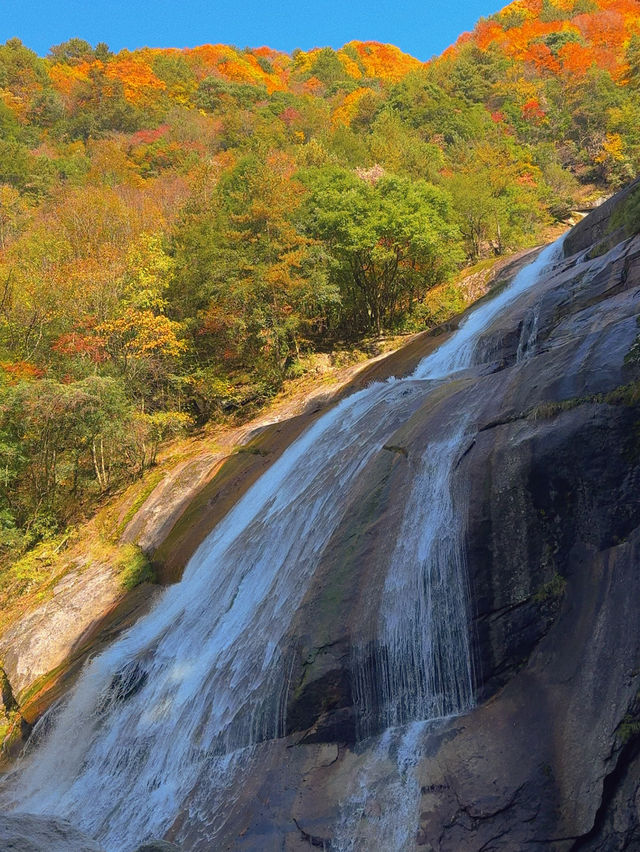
(458, 352)
(420, 665)
(176, 701)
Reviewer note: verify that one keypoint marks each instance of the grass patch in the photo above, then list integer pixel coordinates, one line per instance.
(133, 567)
(9, 730)
(34, 572)
(626, 395)
(139, 500)
(627, 214)
(547, 410)
(252, 451)
(393, 448)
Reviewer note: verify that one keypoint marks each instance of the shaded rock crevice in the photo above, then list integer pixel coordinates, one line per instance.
(619, 790)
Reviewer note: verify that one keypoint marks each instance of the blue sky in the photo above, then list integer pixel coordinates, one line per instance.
(420, 28)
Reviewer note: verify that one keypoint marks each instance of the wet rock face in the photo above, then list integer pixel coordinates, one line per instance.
(570, 482)
(548, 481)
(7, 701)
(31, 833)
(552, 464)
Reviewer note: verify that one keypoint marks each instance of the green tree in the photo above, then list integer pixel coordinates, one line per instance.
(67, 434)
(72, 52)
(390, 240)
(632, 58)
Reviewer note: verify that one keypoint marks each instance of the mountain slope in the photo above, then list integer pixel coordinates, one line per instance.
(183, 231)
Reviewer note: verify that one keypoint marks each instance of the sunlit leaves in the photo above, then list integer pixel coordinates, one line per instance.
(389, 238)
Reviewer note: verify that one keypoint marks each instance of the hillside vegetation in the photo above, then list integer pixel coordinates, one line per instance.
(181, 229)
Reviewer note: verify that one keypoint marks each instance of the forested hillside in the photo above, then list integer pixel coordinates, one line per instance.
(179, 229)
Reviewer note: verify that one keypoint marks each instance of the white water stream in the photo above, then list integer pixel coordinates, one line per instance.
(202, 676)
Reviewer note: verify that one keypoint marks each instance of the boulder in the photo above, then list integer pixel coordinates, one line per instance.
(31, 833)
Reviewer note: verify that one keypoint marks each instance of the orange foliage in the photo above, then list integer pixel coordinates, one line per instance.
(347, 109)
(205, 58)
(20, 371)
(532, 109)
(384, 60)
(575, 58)
(486, 32)
(313, 86)
(136, 76)
(66, 78)
(604, 32)
(542, 57)
(220, 60)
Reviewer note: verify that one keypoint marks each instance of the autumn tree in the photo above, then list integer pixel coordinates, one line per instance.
(260, 285)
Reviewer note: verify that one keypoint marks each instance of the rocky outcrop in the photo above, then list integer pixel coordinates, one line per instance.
(31, 833)
(550, 758)
(45, 637)
(597, 231)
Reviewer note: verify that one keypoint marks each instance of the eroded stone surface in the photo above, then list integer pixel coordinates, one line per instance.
(31, 833)
(45, 637)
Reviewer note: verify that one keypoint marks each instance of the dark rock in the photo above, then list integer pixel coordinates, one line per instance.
(158, 846)
(126, 683)
(595, 227)
(550, 759)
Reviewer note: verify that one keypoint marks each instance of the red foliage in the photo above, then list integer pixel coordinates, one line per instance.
(289, 116)
(147, 137)
(21, 371)
(83, 345)
(532, 109)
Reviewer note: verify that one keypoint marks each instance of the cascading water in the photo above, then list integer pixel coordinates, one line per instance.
(172, 704)
(420, 664)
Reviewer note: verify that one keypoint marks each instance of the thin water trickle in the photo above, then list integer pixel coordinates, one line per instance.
(184, 694)
(380, 810)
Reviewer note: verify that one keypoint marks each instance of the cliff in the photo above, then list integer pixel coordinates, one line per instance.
(546, 484)
(549, 759)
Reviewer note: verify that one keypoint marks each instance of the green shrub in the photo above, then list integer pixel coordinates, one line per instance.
(552, 590)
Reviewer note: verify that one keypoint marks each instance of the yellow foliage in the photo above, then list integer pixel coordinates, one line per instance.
(137, 333)
(612, 149)
(347, 109)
